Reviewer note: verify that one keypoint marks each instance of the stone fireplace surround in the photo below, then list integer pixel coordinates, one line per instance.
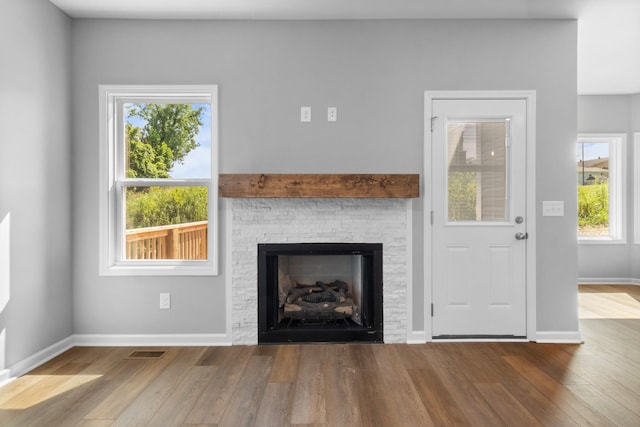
(319, 220)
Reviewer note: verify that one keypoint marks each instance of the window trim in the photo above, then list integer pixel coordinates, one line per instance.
(617, 187)
(110, 241)
(636, 186)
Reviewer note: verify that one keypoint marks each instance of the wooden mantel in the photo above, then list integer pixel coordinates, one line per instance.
(319, 185)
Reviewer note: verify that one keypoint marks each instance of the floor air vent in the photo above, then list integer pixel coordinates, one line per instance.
(146, 354)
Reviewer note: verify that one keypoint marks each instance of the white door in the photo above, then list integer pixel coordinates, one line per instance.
(479, 223)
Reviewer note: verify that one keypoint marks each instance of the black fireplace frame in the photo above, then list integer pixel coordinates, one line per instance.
(269, 329)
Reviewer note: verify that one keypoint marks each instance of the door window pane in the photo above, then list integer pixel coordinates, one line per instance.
(477, 161)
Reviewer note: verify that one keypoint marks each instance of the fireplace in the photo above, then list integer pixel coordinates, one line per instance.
(255, 221)
(320, 292)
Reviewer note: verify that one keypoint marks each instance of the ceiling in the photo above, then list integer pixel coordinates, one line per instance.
(608, 30)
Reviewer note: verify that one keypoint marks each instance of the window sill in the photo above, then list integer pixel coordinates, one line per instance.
(601, 241)
(160, 270)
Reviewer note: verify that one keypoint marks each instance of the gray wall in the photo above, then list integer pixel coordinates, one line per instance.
(635, 112)
(611, 114)
(375, 72)
(35, 171)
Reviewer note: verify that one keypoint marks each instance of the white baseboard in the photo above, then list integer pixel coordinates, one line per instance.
(608, 281)
(41, 357)
(416, 337)
(99, 340)
(559, 337)
(467, 340)
(5, 377)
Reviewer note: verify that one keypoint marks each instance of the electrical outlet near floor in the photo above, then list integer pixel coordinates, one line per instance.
(165, 301)
(305, 114)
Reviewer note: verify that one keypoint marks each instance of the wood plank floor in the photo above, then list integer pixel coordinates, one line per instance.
(436, 384)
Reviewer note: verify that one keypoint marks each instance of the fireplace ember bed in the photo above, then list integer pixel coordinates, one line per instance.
(320, 292)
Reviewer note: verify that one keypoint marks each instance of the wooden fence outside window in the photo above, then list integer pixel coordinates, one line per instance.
(180, 241)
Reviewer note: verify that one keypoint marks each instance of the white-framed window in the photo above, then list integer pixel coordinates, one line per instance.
(158, 179)
(601, 188)
(636, 185)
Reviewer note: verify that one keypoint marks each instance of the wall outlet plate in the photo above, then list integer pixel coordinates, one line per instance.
(332, 114)
(305, 114)
(165, 301)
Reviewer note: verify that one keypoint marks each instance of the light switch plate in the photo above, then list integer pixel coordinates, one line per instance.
(552, 208)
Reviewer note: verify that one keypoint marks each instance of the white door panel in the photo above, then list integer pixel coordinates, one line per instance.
(479, 189)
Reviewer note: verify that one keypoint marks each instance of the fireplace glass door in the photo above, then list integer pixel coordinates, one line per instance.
(320, 292)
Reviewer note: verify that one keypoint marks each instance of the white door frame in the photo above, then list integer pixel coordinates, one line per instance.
(530, 97)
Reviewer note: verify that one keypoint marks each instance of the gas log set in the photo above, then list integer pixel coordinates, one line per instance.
(321, 302)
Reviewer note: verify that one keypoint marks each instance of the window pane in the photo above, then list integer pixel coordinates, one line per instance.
(166, 222)
(593, 189)
(168, 140)
(477, 171)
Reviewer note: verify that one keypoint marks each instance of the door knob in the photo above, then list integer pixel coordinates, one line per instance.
(522, 236)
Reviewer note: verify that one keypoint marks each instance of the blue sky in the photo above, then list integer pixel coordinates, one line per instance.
(197, 164)
(593, 150)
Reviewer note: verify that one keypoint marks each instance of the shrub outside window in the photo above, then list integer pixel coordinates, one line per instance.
(158, 163)
(601, 188)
